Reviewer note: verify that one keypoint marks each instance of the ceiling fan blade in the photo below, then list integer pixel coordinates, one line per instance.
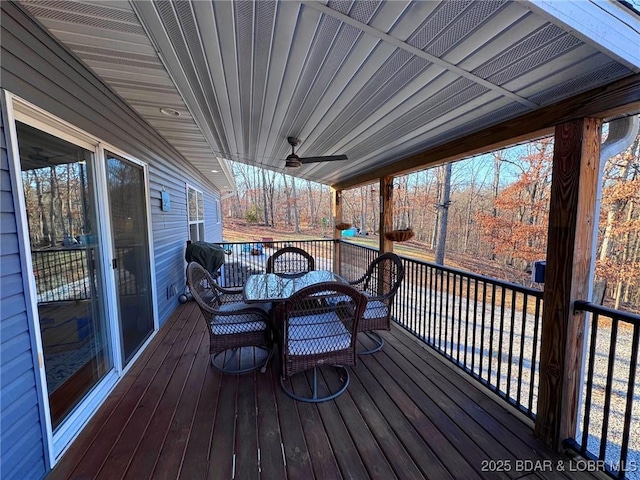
(328, 158)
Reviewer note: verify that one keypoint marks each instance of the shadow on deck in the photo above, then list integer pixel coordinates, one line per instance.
(406, 414)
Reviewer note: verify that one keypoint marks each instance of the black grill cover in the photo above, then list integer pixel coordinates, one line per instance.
(209, 255)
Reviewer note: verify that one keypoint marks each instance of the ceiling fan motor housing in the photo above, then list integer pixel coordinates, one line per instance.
(293, 161)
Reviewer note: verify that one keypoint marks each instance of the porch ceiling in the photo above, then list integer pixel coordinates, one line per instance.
(377, 81)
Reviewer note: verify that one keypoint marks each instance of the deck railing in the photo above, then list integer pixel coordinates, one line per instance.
(244, 258)
(68, 273)
(62, 274)
(489, 328)
(609, 419)
(354, 259)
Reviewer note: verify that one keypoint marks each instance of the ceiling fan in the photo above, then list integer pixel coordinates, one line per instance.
(294, 161)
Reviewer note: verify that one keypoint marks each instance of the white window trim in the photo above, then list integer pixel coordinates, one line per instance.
(199, 221)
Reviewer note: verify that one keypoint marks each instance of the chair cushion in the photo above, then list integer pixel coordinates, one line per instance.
(337, 299)
(313, 334)
(240, 323)
(235, 306)
(375, 309)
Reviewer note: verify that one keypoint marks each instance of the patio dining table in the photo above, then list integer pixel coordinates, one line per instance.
(273, 287)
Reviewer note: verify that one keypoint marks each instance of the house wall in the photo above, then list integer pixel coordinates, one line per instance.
(36, 68)
(22, 449)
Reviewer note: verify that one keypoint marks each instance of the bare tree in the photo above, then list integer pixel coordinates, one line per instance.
(443, 212)
(294, 201)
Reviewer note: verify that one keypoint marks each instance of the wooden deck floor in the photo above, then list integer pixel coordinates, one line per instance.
(406, 414)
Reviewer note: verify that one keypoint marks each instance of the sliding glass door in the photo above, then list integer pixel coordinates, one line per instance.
(59, 183)
(72, 253)
(131, 260)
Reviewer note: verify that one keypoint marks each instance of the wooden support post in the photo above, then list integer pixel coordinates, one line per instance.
(571, 222)
(336, 206)
(386, 212)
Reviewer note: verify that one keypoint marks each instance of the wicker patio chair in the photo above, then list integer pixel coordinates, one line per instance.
(228, 295)
(380, 283)
(240, 338)
(290, 261)
(317, 332)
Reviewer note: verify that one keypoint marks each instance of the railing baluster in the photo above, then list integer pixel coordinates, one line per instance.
(432, 330)
(483, 330)
(475, 328)
(534, 354)
(445, 318)
(590, 377)
(523, 326)
(607, 395)
(459, 321)
(492, 330)
(624, 448)
(510, 357)
(466, 322)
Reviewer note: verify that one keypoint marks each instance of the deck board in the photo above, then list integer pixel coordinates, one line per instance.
(170, 458)
(506, 425)
(316, 439)
(269, 435)
(195, 460)
(406, 414)
(246, 438)
(222, 440)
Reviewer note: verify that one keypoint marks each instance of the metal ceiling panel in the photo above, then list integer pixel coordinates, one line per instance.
(109, 39)
(377, 81)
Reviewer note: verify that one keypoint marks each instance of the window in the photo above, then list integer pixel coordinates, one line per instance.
(195, 212)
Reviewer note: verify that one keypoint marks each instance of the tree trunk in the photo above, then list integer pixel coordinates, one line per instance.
(443, 214)
(55, 207)
(267, 207)
(313, 214)
(363, 210)
(375, 206)
(468, 220)
(497, 163)
(44, 218)
(69, 226)
(287, 193)
(294, 198)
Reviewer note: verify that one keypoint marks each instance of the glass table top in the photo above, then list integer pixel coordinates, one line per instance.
(271, 287)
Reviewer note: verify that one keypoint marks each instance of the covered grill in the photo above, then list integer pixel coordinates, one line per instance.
(209, 255)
